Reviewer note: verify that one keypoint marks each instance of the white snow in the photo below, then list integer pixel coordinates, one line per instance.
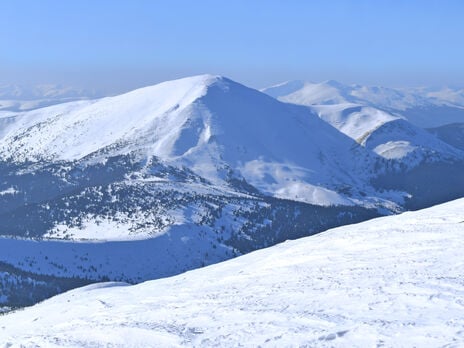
(360, 112)
(394, 149)
(395, 281)
(8, 191)
(215, 126)
(22, 98)
(356, 121)
(398, 138)
(398, 99)
(423, 107)
(207, 123)
(95, 229)
(73, 130)
(445, 96)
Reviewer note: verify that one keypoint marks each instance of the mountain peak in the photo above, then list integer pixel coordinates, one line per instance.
(187, 88)
(334, 83)
(205, 79)
(206, 122)
(284, 88)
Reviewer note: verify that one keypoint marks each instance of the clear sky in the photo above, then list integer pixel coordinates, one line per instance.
(118, 45)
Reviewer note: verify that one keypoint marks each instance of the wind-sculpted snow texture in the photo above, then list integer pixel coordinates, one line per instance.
(394, 281)
(191, 172)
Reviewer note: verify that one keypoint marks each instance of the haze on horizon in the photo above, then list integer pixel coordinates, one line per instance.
(117, 45)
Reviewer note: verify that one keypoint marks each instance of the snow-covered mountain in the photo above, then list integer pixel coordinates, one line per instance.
(191, 172)
(204, 167)
(217, 128)
(423, 107)
(375, 117)
(356, 121)
(389, 136)
(392, 281)
(21, 98)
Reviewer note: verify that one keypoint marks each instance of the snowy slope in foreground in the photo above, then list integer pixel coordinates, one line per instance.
(392, 281)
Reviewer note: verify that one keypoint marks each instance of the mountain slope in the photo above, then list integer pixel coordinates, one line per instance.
(359, 112)
(392, 281)
(22, 98)
(398, 138)
(452, 134)
(169, 178)
(200, 170)
(356, 121)
(424, 108)
(209, 124)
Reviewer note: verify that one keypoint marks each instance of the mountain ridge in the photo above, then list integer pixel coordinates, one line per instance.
(209, 123)
(425, 108)
(200, 170)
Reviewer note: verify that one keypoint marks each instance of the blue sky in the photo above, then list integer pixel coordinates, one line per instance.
(119, 45)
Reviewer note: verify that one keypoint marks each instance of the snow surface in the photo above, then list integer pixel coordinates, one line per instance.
(398, 138)
(424, 107)
(360, 111)
(394, 149)
(334, 92)
(393, 281)
(356, 121)
(219, 128)
(22, 98)
(8, 191)
(206, 123)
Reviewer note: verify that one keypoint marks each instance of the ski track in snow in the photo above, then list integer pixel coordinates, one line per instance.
(395, 281)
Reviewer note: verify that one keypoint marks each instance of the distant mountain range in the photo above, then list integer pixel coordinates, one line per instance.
(423, 107)
(22, 98)
(194, 171)
(375, 116)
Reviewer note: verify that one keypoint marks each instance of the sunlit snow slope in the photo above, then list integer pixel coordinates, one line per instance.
(191, 172)
(210, 124)
(424, 107)
(168, 178)
(363, 113)
(21, 98)
(392, 281)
